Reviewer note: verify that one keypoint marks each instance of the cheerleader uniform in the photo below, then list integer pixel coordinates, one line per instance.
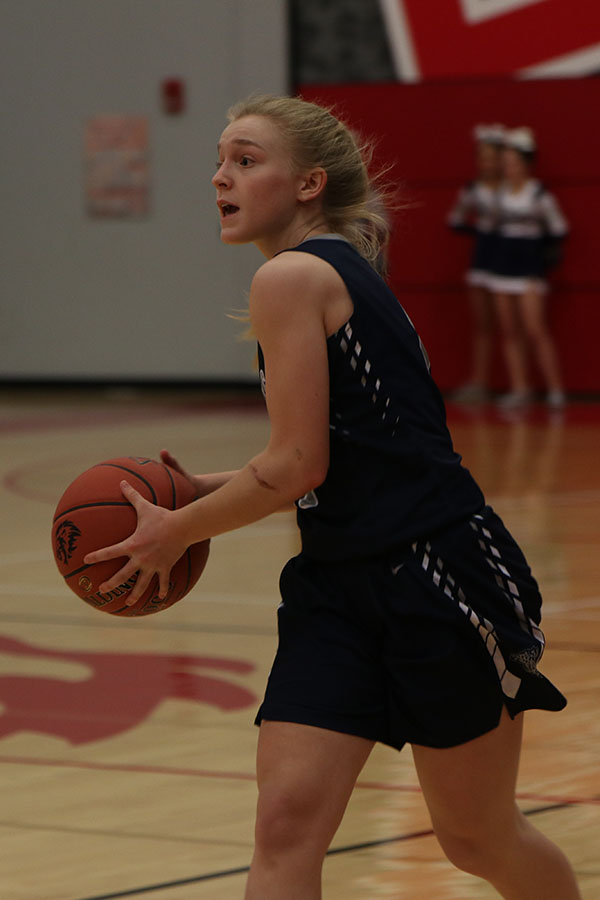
(475, 213)
(410, 614)
(531, 228)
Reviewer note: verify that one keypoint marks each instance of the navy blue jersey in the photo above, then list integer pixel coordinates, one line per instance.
(394, 476)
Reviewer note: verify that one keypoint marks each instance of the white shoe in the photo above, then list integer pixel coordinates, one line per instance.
(470, 393)
(556, 399)
(514, 399)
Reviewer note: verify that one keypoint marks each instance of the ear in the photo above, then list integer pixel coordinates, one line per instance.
(312, 184)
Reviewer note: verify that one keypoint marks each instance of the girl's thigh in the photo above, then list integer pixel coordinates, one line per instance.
(470, 789)
(306, 776)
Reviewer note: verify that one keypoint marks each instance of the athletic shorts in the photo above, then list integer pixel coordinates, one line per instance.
(423, 645)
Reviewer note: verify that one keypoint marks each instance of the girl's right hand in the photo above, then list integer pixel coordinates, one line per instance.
(170, 461)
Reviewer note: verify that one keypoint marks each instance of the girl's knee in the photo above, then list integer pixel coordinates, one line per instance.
(469, 854)
(536, 330)
(510, 327)
(478, 848)
(285, 820)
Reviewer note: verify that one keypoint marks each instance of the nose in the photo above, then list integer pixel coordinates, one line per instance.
(221, 178)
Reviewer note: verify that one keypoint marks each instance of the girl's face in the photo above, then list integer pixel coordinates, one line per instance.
(515, 166)
(258, 191)
(488, 161)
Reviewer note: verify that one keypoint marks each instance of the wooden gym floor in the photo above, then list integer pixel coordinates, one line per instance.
(127, 746)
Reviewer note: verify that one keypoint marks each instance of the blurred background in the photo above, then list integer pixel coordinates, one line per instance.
(112, 270)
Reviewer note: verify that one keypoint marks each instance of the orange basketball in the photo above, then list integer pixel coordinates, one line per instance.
(93, 513)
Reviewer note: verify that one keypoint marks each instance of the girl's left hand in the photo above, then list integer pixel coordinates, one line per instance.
(153, 549)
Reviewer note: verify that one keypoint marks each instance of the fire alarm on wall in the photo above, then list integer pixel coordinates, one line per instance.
(173, 96)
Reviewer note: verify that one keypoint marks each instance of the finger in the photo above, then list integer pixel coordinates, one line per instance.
(164, 583)
(133, 496)
(124, 575)
(112, 552)
(169, 460)
(139, 588)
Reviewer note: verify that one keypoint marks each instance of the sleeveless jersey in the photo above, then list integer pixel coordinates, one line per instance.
(394, 476)
(531, 228)
(475, 213)
(530, 213)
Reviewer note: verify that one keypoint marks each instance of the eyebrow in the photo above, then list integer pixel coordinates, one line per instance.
(244, 142)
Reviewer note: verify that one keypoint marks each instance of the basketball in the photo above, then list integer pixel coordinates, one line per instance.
(93, 513)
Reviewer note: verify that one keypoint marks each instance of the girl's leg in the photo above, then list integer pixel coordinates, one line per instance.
(470, 793)
(532, 308)
(514, 348)
(482, 312)
(305, 778)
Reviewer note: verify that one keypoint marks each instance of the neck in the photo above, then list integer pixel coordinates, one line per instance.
(297, 232)
(517, 183)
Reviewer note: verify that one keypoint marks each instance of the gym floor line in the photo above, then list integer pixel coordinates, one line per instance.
(554, 801)
(110, 623)
(218, 628)
(334, 851)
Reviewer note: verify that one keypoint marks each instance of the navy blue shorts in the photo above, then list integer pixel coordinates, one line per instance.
(424, 645)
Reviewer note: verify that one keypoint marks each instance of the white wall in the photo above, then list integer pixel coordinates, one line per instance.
(85, 298)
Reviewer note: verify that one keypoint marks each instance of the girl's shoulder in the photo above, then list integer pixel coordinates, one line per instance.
(293, 271)
(293, 284)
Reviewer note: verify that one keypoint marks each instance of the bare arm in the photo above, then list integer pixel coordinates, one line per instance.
(286, 310)
(205, 483)
(287, 319)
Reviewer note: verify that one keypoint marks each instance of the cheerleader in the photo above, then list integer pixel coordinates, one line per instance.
(531, 228)
(474, 213)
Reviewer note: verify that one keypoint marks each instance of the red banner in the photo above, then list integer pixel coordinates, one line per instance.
(474, 38)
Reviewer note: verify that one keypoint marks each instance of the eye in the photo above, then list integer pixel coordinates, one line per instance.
(218, 164)
(245, 161)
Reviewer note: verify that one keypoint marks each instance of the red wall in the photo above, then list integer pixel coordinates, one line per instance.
(424, 130)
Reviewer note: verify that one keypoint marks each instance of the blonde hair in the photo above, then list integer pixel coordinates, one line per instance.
(353, 204)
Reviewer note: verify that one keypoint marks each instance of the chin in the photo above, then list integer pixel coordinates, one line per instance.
(235, 236)
(234, 239)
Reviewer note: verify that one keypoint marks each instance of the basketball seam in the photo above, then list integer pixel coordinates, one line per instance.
(89, 506)
(77, 571)
(173, 488)
(131, 472)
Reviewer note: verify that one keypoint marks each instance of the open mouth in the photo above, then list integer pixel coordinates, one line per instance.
(228, 209)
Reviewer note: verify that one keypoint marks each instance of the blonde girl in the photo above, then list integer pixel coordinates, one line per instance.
(410, 616)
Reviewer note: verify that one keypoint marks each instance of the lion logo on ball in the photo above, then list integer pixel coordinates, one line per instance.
(67, 534)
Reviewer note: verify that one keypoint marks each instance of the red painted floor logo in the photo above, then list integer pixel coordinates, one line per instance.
(121, 691)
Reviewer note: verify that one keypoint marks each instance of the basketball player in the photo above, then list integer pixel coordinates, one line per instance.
(474, 213)
(531, 228)
(410, 616)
